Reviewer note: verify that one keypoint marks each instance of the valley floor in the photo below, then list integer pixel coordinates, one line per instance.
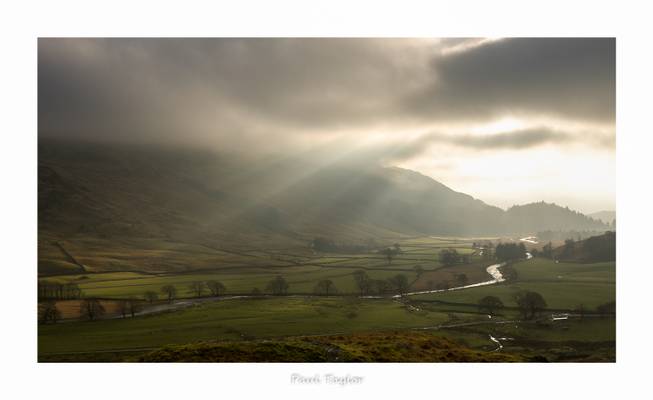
(209, 329)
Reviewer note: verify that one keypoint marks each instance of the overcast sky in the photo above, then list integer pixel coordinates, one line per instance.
(508, 121)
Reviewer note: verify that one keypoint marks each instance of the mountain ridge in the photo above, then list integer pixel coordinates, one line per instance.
(124, 194)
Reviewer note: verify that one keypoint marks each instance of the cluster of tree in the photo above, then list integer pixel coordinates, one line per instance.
(490, 305)
(325, 287)
(327, 245)
(58, 291)
(601, 248)
(48, 312)
(91, 309)
(510, 251)
(391, 252)
(278, 286)
(568, 249)
(151, 296)
(564, 235)
(607, 308)
(130, 306)
(198, 288)
(545, 216)
(530, 304)
(509, 273)
(397, 284)
(170, 291)
(215, 288)
(547, 251)
(450, 257)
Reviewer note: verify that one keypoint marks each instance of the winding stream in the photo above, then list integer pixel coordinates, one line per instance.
(492, 270)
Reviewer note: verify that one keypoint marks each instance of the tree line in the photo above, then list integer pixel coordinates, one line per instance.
(367, 286)
(449, 257)
(509, 251)
(58, 291)
(531, 304)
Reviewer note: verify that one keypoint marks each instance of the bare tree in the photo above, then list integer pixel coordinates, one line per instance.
(56, 290)
(197, 287)
(170, 291)
(278, 286)
(48, 312)
(363, 282)
(325, 287)
(91, 309)
(400, 283)
(133, 305)
(389, 254)
(151, 296)
(123, 308)
(216, 288)
(529, 303)
(381, 286)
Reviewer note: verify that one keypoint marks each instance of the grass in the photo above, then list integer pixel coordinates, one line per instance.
(242, 270)
(301, 280)
(234, 319)
(563, 285)
(363, 347)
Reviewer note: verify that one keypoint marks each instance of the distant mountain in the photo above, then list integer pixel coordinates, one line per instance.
(122, 194)
(605, 216)
(547, 216)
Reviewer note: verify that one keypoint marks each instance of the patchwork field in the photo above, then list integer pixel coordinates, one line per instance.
(452, 314)
(243, 272)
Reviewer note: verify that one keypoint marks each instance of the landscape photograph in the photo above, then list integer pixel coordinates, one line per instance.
(326, 200)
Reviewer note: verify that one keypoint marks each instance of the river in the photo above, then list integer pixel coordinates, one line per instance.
(492, 270)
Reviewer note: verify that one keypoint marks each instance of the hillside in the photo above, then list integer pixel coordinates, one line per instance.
(594, 249)
(547, 216)
(606, 216)
(130, 206)
(362, 347)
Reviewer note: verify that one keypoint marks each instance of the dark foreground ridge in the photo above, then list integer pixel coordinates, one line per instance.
(367, 347)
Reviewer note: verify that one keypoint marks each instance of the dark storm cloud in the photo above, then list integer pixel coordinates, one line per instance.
(173, 86)
(510, 140)
(519, 139)
(573, 78)
(224, 91)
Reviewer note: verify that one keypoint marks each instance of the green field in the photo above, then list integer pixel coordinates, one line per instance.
(563, 285)
(249, 269)
(234, 319)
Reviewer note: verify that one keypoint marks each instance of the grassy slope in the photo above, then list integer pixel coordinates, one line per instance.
(376, 347)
